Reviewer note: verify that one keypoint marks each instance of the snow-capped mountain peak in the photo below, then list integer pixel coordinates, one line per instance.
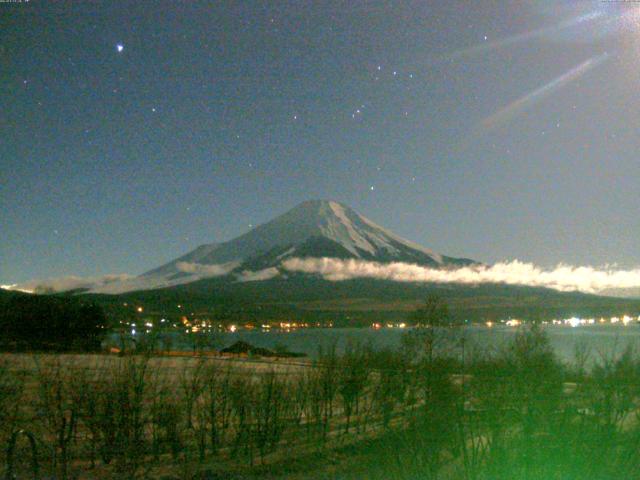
(315, 228)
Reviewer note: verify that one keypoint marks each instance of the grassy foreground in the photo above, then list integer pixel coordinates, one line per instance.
(420, 412)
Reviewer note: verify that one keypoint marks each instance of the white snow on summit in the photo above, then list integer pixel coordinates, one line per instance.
(340, 229)
(408, 243)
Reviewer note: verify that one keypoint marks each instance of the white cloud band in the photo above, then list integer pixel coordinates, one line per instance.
(206, 270)
(563, 277)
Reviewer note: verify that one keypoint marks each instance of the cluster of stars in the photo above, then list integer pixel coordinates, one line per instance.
(394, 73)
(357, 113)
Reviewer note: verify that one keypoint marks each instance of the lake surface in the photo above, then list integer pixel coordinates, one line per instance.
(600, 340)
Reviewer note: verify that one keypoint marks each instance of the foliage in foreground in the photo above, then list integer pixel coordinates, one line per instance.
(434, 412)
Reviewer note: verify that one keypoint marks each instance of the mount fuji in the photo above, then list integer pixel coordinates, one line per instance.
(254, 277)
(312, 229)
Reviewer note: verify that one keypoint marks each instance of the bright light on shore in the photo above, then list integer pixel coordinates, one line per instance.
(573, 321)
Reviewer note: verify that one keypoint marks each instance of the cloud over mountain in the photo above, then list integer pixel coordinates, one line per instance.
(562, 278)
(206, 270)
(70, 282)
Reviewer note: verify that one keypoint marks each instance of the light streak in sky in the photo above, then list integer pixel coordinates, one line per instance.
(521, 37)
(527, 101)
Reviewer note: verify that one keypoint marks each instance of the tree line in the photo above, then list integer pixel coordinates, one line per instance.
(50, 323)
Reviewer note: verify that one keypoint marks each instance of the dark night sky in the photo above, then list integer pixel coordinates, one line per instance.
(492, 130)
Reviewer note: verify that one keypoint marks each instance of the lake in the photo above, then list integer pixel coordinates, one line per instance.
(598, 339)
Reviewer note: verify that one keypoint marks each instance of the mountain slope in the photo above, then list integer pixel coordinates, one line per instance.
(312, 229)
(316, 228)
(360, 302)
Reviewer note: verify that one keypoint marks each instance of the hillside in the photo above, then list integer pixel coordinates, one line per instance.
(359, 302)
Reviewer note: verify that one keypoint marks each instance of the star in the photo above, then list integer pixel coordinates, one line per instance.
(119, 47)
